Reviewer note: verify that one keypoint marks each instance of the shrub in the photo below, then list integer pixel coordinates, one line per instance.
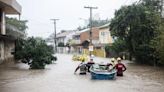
(34, 52)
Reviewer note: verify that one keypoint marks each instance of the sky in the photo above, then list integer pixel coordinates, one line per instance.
(71, 13)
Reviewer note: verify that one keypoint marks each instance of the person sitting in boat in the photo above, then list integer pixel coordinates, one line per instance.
(120, 67)
(89, 64)
(83, 68)
(111, 65)
(113, 62)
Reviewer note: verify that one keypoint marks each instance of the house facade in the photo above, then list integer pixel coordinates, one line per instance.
(77, 40)
(101, 36)
(77, 43)
(8, 33)
(64, 37)
(86, 35)
(105, 35)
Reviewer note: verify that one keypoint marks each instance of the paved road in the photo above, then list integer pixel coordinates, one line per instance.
(59, 77)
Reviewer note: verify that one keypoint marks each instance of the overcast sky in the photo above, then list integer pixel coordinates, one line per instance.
(39, 13)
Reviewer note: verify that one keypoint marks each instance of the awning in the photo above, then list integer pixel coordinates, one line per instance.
(10, 6)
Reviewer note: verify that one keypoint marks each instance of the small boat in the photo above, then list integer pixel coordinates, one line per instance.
(100, 72)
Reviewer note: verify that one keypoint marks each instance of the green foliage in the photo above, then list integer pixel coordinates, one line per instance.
(19, 24)
(158, 45)
(35, 52)
(160, 48)
(119, 46)
(97, 23)
(137, 25)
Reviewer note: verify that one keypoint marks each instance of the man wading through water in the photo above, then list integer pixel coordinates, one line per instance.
(83, 68)
(120, 67)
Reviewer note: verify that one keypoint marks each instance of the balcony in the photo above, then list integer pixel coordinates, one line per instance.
(14, 32)
(10, 6)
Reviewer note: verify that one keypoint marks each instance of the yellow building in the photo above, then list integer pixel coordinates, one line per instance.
(105, 35)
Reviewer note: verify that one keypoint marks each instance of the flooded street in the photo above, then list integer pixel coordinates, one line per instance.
(60, 77)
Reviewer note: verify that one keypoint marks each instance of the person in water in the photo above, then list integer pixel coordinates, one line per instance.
(83, 68)
(89, 64)
(120, 67)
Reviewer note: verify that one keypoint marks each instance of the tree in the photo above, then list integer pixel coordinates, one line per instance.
(137, 25)
(158, 45)
(97, 23)
(116, 48)
(35, 52)
(21, 25)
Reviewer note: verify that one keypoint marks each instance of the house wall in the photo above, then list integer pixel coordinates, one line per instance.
(9, 46)
(1, 51)
(6, 43)
(61, 39)
(5, 50)
(105, 36)
(0, 20)
(85, 35)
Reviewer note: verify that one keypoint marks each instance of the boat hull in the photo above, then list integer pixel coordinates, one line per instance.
(103, 75)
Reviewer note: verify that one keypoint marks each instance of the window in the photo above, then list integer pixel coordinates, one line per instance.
(103, 33)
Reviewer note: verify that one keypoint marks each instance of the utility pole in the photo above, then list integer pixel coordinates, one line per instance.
(90, 33)
(55, 46)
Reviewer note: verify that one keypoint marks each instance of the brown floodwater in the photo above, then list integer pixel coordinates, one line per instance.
(60, 77)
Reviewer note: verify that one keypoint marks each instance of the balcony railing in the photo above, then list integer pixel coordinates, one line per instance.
(14, 32)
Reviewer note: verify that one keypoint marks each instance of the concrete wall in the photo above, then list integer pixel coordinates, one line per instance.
(2, 22)
(5, 50)
(11, 6)
(9, 46)
(95, 52)
(6, 44)
(105, 36)
(1, 51)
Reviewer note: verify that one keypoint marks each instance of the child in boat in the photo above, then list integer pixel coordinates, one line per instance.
(120, 67)
(89, 64)
(83, 68)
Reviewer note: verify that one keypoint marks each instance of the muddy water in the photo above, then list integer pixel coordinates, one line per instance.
(59, 77)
